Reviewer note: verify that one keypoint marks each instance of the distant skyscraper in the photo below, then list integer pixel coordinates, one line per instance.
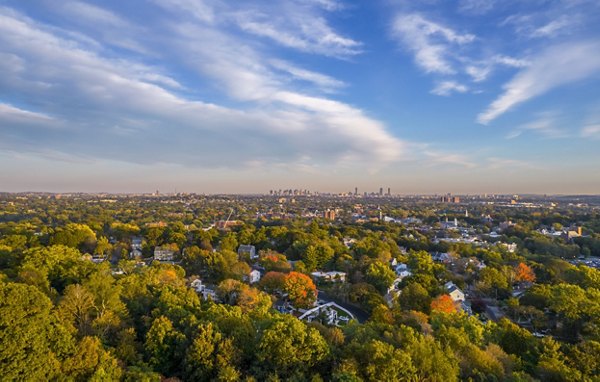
(355, 190)
(380, 191)
(329, 214)
(389, 192)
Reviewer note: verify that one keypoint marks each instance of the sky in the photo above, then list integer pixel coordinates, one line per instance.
(209, 96)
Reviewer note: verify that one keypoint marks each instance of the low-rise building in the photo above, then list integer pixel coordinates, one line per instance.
(402, 271)
(254, 276)
(205, 291)
(164, 254)
(455, 293)
(333, 276)
(249, 250)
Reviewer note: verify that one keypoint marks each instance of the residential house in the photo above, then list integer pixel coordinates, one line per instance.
(332, 313)
(249, 250)
(333, 276)
(205, 291)
(442, 257)
(197, 285)
(455, 293)
(402, 271)
(569, 235)
(136, 248)
(164, 254)
(349, 242)
(254, 276)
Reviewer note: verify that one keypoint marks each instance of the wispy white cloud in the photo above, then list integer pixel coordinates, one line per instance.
(476, 7)
(430, 42)
(302, 30)
(555, 21)
(108, 26)
(202, 10)
(446, 88)
(9, 112)
(557, 66)
(438, 158)
(496, 163)
(299, 25)
(323, 81)
(330, 5)
(591, 131)
(480, 70)
(93, 14)
(117, 98)
(561, 25)
(547, 124)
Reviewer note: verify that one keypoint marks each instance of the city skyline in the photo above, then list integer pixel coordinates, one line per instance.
(467, 97)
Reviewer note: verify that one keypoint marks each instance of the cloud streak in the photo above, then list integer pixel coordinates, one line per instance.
(557, 66)
(106, 105)
(430, 42)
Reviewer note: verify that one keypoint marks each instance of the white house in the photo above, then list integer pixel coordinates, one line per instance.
(402, 271)
(197, 285)
(455, 293)
(136, 243)
(334, 314)
(333, 276)
(442, 257)
(254, 276)
(164, 254)
(250, 250)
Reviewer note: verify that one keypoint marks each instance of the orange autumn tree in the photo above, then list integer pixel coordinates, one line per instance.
(273, 282)
(273, 261)
(443, 303)
(300, 288)
(523, 273)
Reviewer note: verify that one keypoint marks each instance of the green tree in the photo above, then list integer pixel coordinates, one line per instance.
(76, 236)
(210, 355)
(380, 275)
(164, 346)
(415, 297)
(287, 345)
(31, 340)
(91, 362)
(383, 362)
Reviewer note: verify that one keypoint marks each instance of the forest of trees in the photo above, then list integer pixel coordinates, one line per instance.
(66, 317)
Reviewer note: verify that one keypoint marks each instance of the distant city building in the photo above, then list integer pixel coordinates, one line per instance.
(380, 191)
(329, 214)
(448, 198)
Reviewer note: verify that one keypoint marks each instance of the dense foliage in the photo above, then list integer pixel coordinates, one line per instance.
(66, 317)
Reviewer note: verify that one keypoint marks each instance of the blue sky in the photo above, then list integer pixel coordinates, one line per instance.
(468, 96)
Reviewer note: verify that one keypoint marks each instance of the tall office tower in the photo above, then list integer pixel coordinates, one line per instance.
(389, 192)
(355, 190)
(380, 191)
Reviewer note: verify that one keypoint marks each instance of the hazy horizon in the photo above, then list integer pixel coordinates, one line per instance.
(208, 96)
